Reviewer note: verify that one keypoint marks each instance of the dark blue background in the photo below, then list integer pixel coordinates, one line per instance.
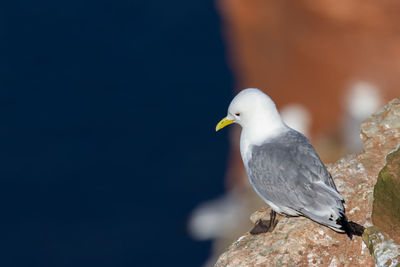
(107, 138)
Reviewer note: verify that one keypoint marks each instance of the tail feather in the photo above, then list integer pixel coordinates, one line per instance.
(356, 229)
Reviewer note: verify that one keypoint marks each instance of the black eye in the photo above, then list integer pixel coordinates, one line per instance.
(237, 114)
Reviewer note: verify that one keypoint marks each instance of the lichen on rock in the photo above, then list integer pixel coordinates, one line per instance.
(386, 209)
(297, 241)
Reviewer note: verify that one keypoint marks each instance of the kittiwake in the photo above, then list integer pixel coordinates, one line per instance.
(283, 167)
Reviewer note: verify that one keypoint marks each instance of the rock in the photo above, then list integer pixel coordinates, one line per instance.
(386, 209)
(384, 251)
(262, 214)
(297, 241)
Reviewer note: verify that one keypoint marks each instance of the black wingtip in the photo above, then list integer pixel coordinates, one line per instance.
(356, 229)
(345, 225)
(349, 227)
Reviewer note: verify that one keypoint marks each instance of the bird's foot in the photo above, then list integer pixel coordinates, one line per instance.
(263, 226)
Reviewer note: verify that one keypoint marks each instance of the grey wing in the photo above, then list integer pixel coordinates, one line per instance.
(305, 153)
(289, 174)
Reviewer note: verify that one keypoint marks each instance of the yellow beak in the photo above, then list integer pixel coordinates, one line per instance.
(224, 122)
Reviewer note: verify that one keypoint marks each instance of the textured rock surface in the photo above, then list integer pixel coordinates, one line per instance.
(383, 249)
(298, 241)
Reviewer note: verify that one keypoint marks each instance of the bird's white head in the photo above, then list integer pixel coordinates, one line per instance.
(255, 112)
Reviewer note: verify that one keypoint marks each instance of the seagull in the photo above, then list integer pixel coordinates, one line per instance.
(283, 167)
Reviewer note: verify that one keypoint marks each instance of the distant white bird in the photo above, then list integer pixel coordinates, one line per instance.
(283, 167)
(361, 101)
(297, 117)
(215, 218)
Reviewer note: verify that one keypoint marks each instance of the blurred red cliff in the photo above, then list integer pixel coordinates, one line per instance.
(338, 60)
(311, 53)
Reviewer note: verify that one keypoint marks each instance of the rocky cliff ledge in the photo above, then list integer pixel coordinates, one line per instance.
(298, 241)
